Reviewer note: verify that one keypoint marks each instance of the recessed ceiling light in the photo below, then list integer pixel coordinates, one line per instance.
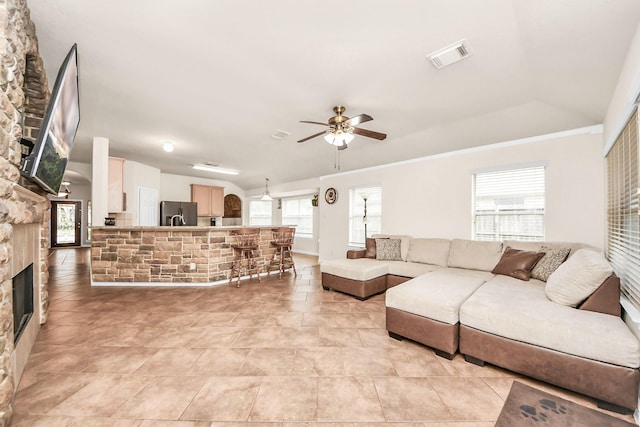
(168, 147)
(216, 169)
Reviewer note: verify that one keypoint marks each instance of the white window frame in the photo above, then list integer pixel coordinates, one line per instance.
(509, 203)
(299, 211)
(256, 217)
(373, 193)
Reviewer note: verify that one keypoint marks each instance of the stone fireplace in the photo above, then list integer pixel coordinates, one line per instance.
(22, 301)
(26, 249)
(24, 208)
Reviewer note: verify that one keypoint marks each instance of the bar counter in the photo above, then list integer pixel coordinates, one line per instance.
(185, 255)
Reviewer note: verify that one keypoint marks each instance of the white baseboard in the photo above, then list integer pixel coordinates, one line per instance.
(172, 284)
(305, 252)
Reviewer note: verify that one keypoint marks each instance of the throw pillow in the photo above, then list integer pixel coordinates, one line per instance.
(370, 248)
(517, 263)
(549, 263)
(388, 249)
(578, 277)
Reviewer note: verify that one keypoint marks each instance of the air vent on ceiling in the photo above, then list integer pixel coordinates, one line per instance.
(280, 134)
(450, 54)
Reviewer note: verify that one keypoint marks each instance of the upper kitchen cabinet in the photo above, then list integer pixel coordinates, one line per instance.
(210, 199)
(116, 196)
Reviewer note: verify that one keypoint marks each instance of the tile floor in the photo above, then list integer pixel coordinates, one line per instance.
(281, 353)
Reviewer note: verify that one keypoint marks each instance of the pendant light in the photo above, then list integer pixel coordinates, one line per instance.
(266, 196)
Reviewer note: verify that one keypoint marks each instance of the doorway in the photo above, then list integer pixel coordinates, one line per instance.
(66, 223)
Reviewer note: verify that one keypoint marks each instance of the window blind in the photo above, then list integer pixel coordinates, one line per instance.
(623, 242)
(260, 212)
(299, 212)
(356, 213)
(509, 204)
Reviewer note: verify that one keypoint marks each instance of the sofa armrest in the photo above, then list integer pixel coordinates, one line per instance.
(605, 299)
(356, 253)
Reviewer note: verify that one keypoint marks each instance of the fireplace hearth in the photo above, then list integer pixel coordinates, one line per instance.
(22, 300)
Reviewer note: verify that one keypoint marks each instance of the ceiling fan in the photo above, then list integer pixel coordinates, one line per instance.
(341, 129)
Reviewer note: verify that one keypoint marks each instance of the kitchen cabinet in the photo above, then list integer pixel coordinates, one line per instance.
(210, 199)
(115, 193)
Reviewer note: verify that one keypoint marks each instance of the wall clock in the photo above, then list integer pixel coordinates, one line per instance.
(331, 195)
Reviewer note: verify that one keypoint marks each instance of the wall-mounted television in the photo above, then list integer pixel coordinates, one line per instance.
(48, 159)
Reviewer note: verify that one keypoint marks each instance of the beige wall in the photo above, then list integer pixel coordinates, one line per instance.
(178, 187)
(432, 197)
(622, 101)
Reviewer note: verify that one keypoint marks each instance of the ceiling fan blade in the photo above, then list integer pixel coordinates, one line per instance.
(312, 136)
(370, 133)
(355, 121)
(343, 146)
(313, 123)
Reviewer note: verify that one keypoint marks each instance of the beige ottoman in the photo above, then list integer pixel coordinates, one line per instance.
(361, 277)
(426, 309)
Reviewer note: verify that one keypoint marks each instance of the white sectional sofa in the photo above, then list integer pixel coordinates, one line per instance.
(454, 295)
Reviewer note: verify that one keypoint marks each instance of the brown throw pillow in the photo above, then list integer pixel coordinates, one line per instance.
(371, 248)
(517, 263)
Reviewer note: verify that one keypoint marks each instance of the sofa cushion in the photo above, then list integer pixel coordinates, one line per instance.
(370, 245)
(404, 242)
(549, 263)
(355, 269)
(388, 250)
(578, 277)
(410, 269)
(517, 263)
(429, 251)
(520, 311)
(474, 254)
(436, 295)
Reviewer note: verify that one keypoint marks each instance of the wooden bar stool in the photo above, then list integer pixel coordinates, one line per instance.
(244, 261)
(282, 258)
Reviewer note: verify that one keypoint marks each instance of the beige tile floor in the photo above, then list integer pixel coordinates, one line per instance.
(280, 353)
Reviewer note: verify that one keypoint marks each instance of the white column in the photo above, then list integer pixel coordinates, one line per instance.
(100, 181)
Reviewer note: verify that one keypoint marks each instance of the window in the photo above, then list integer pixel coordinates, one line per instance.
(623, 242)
(259, 212)
(509, 204)
(299, 212)
(357, 225)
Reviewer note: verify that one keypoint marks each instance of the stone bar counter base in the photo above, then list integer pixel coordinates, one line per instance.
(166, 254)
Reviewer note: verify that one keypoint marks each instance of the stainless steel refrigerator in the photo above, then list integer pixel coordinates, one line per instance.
(183, 213)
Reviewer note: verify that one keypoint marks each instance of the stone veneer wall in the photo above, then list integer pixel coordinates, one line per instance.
(23, 97)
(137, 255)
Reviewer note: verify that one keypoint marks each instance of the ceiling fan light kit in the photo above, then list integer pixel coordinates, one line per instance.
(339, 138)
(342, 129)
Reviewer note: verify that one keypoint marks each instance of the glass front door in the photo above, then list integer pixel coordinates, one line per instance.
(66, 223)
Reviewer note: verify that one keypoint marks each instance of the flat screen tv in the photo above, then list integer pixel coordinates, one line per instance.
(48, 159)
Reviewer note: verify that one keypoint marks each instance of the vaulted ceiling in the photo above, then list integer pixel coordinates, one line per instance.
(219, 78)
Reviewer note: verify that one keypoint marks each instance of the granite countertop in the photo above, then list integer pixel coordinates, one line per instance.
(180, 227)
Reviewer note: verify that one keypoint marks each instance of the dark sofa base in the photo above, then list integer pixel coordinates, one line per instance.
(393, 280)
(440, 336)
(608, 383)
(362, 289)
